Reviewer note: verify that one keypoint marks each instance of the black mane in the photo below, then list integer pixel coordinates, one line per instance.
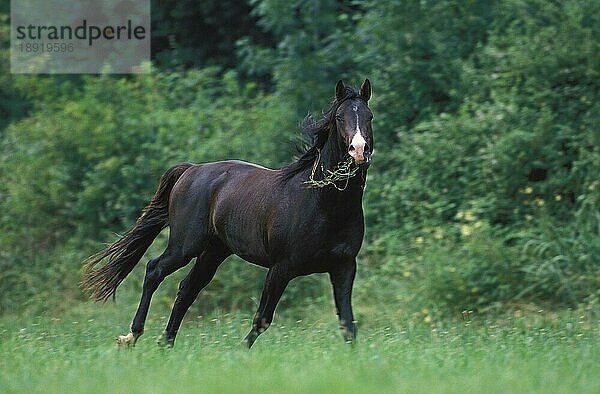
(314, 135)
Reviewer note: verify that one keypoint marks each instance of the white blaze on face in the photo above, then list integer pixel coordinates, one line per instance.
(357, 145)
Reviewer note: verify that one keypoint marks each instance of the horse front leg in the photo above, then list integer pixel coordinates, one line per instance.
(275, 283)
(342, 279)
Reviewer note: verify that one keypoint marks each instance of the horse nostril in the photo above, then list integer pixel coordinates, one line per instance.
(367, 148)
(351, 149)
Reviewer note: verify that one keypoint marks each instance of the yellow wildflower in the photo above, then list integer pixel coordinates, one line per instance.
(466, 230)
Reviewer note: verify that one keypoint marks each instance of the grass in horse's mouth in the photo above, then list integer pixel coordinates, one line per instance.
(342, 172)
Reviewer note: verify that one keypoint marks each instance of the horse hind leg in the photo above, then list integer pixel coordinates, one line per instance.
(199, 276)
(131, 338)
(156, 271)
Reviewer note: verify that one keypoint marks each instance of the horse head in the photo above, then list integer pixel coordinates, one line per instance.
(353, 122)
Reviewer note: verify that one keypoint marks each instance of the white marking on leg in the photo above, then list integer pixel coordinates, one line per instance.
(127, 340)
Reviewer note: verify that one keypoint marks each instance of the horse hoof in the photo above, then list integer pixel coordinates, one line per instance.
(125, 340)
(243, 344)
(165, 342)
(249, 340)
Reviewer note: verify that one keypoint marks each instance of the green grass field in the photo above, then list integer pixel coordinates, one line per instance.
(537, 352)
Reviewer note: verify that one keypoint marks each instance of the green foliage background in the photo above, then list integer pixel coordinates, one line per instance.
(485, 187)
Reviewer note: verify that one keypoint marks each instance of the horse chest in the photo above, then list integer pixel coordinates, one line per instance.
(322, 240)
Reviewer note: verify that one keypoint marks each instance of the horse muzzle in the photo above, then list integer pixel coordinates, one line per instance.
(360, 151)
(361, 157)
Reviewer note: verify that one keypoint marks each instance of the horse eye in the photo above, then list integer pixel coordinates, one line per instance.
(370, 117)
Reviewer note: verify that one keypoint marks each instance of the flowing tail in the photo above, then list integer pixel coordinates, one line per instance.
(101, 283)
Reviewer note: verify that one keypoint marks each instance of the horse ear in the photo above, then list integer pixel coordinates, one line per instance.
(365, 90)
(340, 90)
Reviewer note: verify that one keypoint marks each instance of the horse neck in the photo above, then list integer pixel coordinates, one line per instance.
(330, 154)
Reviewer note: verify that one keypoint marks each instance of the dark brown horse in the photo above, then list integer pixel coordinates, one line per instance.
(271, 218)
